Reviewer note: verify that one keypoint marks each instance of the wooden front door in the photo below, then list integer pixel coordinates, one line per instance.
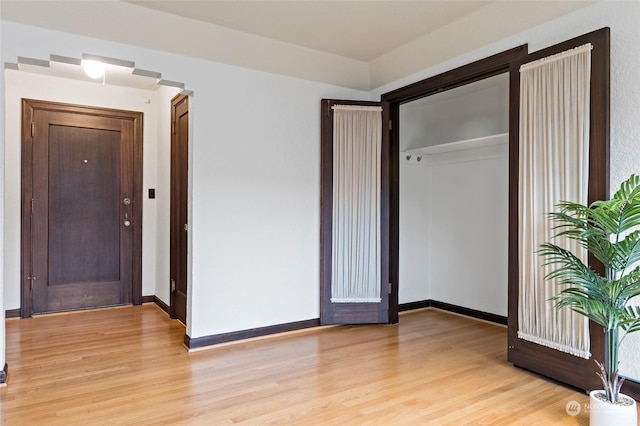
(81, 215)
(179, 197)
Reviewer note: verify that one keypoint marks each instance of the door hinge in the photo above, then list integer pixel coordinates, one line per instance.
(173, 127)
(186, 227)
(390, 288)
(31, 279)
(32, 206)
(173, 285)
(390, 124)
(33, 129)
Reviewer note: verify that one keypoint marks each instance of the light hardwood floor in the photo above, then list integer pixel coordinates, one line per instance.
(128, 366)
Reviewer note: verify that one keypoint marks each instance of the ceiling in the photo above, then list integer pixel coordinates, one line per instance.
(360, 44)
(361, 30)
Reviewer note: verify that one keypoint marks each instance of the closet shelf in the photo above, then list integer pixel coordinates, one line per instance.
(485, 141)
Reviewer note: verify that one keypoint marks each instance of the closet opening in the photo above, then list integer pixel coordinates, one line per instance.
(454, 199)
(450, 188)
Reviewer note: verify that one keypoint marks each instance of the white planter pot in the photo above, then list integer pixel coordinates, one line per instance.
(602, 413)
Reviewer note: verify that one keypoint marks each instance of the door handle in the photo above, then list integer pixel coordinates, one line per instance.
(126, 220)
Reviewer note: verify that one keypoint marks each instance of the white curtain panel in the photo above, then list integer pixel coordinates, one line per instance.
(554, 166)
(357, 145)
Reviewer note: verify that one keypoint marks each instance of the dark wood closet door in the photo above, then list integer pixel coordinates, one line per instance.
(179, 199)
(79, 242)
(558, 365)
(351, 313)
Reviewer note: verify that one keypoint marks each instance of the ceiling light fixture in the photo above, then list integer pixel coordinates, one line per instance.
(93, 69)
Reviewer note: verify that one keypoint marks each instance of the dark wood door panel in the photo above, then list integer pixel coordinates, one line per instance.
(77, 209)
(182, 131)
(83, 121)
(82, 295)
(84, 205)
(81, 182)
(179, 231)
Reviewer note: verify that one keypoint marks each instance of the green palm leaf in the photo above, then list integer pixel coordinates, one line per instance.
(610, 231)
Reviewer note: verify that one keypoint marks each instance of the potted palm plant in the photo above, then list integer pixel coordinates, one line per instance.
(610, 231)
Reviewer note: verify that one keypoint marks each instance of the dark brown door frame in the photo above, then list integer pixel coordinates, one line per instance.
(134, 122)
(475, 71)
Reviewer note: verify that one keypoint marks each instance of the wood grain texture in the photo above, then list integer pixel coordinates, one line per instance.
(127, 365)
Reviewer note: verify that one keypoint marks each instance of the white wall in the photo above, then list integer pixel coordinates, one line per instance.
(256, 200)
(622, 17)
(469, 207)
(414, 256)
(454, 228)
(471, 111)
